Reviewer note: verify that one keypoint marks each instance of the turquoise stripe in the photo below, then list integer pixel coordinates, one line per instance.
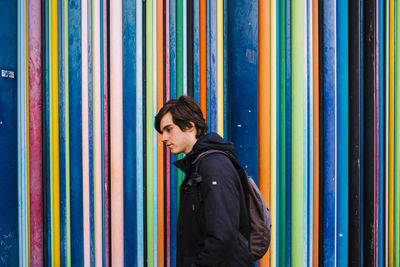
(139, 134)
(22, 136)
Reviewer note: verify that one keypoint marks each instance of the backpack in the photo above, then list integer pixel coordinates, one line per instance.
(260, 217)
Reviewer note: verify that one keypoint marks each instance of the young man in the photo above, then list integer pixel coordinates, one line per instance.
(212, 210)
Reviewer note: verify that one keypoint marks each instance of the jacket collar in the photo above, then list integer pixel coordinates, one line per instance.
(204, 143)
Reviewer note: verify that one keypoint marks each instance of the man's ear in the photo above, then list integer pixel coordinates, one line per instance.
(192, 127)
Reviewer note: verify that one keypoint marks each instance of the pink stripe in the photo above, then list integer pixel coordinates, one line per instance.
(106, 156)
(116, 135)
(97, 136)
(35, 133)
(85, 137)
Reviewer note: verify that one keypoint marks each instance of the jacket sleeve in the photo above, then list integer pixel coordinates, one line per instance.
(222, 212)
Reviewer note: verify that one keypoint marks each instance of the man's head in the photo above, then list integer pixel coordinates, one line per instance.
(181, 123)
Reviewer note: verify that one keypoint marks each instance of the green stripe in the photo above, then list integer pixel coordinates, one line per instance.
(179, 48)
(67, 155)
(149, 133)
(179, 76)
(282, 132)
(297, 46)
(397, 140)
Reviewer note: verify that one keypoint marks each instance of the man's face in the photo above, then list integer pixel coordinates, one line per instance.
(178, 141)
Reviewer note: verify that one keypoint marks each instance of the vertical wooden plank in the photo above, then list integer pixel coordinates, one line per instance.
(116, 134)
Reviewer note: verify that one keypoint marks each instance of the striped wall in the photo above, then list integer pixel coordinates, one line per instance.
(308, 90)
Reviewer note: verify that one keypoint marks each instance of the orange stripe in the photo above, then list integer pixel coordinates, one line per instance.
(160, 146)
(203, 58)
(264, 105)
(315, 135)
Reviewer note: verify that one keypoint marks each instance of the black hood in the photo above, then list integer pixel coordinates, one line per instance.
(204, 143)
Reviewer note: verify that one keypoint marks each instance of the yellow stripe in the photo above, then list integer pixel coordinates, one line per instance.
(391, 131)
(273, 134)
(220, 68)
(55, 127)
(51, 142)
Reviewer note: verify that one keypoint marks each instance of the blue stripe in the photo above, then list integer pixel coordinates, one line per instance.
(381, 138)
(139, 136)
(329, 86)
(226, 90)
(306, 131)
(196, 50)
(129, 128)
(342, 133)
(208, 51)
(174, 193)
(75, 112)
(103, 221)
(213, 66)
(62, 157)
(91, 137)
(243, 83)
(8, 135)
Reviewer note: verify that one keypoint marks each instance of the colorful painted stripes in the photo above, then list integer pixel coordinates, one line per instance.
(303, 88)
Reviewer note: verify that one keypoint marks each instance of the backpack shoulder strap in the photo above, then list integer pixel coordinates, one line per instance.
(202, 155)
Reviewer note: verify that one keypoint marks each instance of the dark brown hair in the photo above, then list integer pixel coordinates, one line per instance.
(183, 110)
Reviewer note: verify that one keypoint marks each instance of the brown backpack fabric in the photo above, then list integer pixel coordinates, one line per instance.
(260, 217)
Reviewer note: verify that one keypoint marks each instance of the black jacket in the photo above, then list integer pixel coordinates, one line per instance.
(212, 209)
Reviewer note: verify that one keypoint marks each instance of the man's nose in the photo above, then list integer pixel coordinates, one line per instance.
(164, 138)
